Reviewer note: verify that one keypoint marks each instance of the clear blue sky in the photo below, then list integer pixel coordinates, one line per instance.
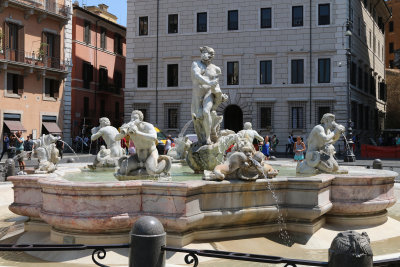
(116, 7)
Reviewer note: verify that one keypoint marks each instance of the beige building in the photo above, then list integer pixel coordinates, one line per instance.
(35, 61)
(284, 63)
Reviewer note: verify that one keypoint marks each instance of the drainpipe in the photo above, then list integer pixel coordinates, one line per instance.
(310, 61)
(157, 48)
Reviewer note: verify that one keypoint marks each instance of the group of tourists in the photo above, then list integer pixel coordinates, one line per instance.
(14, 145)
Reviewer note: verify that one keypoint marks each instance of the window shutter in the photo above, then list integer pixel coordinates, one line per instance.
(21, 44)
(56, 89)
(57, 47)
(20, 84)
(6, 33)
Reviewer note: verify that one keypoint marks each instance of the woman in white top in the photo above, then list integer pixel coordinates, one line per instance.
(167, 144)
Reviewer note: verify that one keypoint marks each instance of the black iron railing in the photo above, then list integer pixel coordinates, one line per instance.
(54, 6)
(33, 59)
(99, 253)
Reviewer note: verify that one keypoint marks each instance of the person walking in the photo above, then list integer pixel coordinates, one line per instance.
(299, 148)
(274, 143)
(60, 147)
(265, 149)
(19, 144)
(28, 146)
(168, 144)
(6, 145)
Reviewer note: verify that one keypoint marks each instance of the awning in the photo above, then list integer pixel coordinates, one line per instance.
(52, 127)
(14, 126)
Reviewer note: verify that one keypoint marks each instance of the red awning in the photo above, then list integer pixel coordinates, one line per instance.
(14, 126)
(52, 127)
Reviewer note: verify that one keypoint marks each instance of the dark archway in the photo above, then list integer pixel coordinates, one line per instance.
(233, 118)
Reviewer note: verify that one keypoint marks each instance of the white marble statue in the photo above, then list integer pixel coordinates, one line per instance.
(244, 164)
(182, 145)
(108, 133)
(46, 152)
(249, 133)
(320, 150)
(146, 161)
(206, 97)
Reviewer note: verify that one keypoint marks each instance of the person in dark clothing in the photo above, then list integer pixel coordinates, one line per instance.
(6, 145)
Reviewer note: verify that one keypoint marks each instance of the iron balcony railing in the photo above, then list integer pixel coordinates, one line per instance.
(33, 59)
(55, 6)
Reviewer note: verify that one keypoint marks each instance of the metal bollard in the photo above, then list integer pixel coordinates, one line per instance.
(147, 238)
(377, 164)
(9, 168)
(350, 249)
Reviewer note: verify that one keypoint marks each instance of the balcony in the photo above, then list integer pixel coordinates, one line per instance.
(52, 7)
(26, 59)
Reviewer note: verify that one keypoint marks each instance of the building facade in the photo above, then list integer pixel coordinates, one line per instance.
(98, 72)
(284, 63)
(392, 30)
(35, 56)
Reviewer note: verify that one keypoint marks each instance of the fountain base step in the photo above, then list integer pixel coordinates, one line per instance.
(366, 220)
(61, 237)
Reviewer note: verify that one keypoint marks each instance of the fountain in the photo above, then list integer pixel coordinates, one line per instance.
(232, 201)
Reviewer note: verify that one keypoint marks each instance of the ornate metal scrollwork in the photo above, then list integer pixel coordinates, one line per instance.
(101, 254)
(193, 260)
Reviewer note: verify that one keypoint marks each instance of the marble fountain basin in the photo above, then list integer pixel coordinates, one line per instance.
(197, 210)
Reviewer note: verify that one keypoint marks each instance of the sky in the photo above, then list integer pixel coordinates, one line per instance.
(116, 7)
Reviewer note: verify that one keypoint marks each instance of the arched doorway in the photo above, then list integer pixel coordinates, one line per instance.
(233, 118)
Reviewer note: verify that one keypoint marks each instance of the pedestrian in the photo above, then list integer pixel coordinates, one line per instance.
(6, 145)
(274, 143)
(256, 145)
(265, 149)
(20, 150)
(124, 145)
(299, 148)
(131, 149)
(289, 145)
(28, 146)
(397, 140)
(168, 144)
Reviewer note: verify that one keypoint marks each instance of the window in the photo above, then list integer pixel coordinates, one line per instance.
(103, 79)
(391, 48)
(382, 91)
(324, 17)
(372, 85)
(171, 117)
(265, 115)
(297, 16)
(266, 19)
(366, 81)
(52, 88)
(360, 78)
(103, 38)
(266, 72)
(86, 107)
(15, 83)
(142, 76)
(232, 73)
(117, 44)
(117, 82)
(202, 22)
(87, 74)
(353, 74)
(172, 75)
(324, 70)
(143, 25)
(233, 20)
(297, 71)
(297, 117)
(391, 26)
(173, 23)
(14, 38)
(52, 50)
(86, 32)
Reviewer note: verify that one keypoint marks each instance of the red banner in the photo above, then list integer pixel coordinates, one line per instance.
(381, 152)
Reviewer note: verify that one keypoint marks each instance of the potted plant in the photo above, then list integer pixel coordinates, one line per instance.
(41, 54)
